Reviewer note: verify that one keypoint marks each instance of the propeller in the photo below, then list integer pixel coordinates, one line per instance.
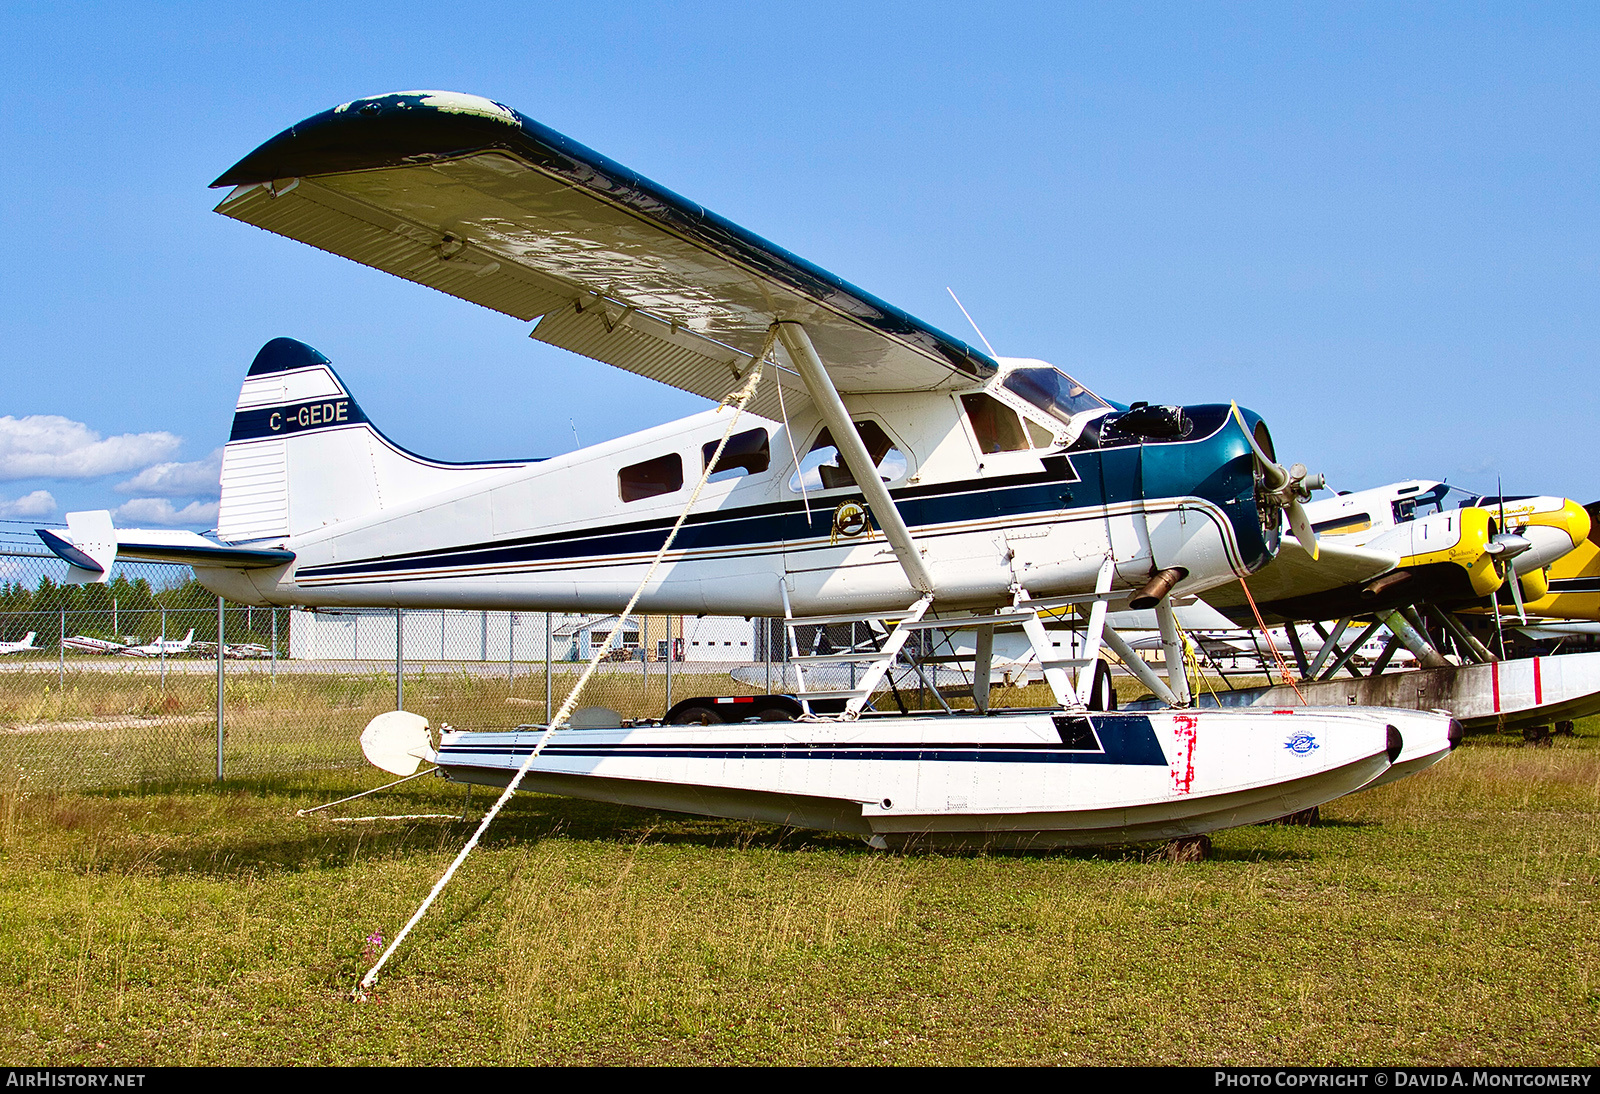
(1290, 487)
(1504, 547)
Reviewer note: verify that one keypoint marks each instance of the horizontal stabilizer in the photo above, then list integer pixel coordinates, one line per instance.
(93, 563)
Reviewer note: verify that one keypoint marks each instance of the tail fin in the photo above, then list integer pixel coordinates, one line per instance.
(302, 454)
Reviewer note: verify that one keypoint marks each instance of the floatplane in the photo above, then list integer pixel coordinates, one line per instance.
(1398, 562)
(884, 470)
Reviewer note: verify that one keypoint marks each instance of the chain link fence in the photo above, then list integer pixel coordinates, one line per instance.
(149, 678)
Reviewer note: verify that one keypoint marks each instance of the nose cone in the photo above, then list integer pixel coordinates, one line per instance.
(1454, 733)
(1552, 531)
(1395, 743)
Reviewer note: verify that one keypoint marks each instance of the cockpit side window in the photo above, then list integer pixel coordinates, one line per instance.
(1422, 504)
(823, 468)
(995, 425)
(1053, 391)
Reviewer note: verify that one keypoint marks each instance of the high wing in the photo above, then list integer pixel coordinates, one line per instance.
(1294, 573)
(467, 196)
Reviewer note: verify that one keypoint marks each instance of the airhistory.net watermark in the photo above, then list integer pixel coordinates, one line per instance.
(50, 1078)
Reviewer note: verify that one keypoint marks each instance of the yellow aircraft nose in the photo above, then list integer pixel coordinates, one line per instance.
(1571, 518)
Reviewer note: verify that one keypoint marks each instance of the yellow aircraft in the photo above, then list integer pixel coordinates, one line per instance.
(1397, 545)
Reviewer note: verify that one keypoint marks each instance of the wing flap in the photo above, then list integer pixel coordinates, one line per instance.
(645, 345)
(468, 197)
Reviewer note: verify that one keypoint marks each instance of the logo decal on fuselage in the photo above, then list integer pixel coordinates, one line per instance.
(849, 520)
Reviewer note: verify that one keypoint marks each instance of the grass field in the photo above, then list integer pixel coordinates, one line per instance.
(1449, 918)
(107, 727)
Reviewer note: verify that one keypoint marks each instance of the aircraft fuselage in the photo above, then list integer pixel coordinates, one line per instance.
(577, 532)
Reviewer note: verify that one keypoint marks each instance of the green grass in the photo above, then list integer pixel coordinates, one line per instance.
(109, 728)
(1448, 918)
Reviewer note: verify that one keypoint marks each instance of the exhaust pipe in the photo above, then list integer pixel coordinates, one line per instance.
(1159, 585)
(1378, 586)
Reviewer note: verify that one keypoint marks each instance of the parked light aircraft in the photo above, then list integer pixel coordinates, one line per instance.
(167, 647)
(1565, 534)
(92, 645)
(1414, 550)
(886, 469)
(25, 646)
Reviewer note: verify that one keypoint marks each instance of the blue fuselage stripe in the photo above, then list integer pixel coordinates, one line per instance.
(1127, 741)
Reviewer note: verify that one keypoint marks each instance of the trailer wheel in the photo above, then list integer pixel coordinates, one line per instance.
(695, 716)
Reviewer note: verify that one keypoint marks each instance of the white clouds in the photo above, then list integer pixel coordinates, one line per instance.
(200, 479)
(49, 446)
(161, 511)
(37, 504)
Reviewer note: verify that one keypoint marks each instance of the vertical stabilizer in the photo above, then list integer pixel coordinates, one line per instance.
(302, 454)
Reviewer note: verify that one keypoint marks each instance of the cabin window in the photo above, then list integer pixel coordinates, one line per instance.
(1053, 392)
(1343, 526)
(995, 425)
(823, 467)
(1042, 437)
(747, 453)
(662, 475)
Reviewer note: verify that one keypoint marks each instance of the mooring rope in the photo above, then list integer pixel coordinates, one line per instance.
(740, 399)
(364, 793)
(1283, 666)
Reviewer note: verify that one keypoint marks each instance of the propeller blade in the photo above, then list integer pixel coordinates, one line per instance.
(1516, 594)
(1288, 486)
(1301, 525)
(1277, 476)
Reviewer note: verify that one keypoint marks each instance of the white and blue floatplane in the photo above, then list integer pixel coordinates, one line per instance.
(885, 469)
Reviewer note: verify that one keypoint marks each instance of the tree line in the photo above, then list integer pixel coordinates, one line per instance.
(122, 610)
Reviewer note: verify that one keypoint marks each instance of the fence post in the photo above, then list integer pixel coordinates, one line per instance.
(163, 649)
(672, 648)
(399, 665)
(221, 635)
(274, 642)
(548, 685)
(61, 655)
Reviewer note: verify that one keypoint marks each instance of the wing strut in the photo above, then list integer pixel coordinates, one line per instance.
(826, 398)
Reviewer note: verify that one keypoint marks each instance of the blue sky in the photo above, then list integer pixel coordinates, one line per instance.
(1374, 224)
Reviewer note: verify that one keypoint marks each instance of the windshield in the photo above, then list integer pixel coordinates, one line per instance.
(1054, 392)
